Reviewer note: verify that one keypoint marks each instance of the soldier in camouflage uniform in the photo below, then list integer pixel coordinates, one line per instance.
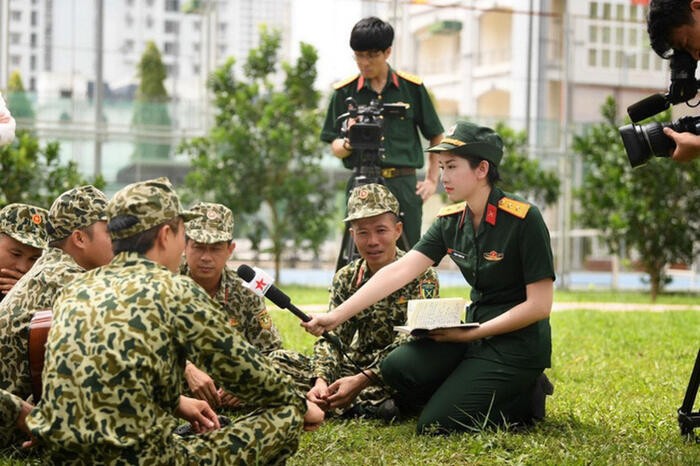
(13, 414)
(208, 247)
(369, 336)
(116, 353)
(22, 240)
(79, 240)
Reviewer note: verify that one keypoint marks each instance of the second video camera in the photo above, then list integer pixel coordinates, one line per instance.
(644, 141)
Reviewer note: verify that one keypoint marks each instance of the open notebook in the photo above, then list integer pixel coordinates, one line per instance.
(425, 315)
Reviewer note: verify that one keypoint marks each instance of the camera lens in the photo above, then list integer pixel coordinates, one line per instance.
(644, 141)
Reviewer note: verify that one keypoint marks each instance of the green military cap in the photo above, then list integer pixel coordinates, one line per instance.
(214, 224)
(466, 138)
(149, 203)
(25, 223)
(369, 200)
(75, 209)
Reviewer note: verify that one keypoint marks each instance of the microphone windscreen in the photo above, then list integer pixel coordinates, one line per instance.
(276, 295)
(647, 107)
(246, 272)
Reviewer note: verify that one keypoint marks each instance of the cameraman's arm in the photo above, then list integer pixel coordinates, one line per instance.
(341, 147)
(687, 145)
(427, 188)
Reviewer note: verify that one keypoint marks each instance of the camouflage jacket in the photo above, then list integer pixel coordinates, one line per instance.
(245, 311)
(115, 359)
(36, 290)
(9, 410)
(368, 336)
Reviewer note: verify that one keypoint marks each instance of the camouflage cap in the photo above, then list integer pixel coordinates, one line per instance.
(466, 138)
(369, 200)
(25, 223)
(75, 209)
(150, 202)
(214, 224)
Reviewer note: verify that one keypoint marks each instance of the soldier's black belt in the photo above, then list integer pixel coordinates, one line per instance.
(394, 172)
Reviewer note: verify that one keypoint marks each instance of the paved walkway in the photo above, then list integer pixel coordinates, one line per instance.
(570, 306)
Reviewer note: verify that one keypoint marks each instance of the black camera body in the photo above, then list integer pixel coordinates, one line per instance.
(367, 133)
(644, 141)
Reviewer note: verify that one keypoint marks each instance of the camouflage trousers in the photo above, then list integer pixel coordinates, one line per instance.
(300, 368)
(263, 437)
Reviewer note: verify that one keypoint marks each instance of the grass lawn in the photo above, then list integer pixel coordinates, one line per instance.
(619, 379)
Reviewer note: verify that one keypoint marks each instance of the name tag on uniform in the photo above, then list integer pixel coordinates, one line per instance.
(457, 254)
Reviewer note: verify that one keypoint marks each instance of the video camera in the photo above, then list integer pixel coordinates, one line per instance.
(367, 133)
(644, 141)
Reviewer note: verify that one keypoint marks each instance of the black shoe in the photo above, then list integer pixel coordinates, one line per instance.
(185, 430)
(388, 411)
(542, 388)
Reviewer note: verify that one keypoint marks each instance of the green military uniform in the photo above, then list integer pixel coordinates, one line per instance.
(463, 383)
(402, 145)
(115, 359)
(10, 406)
(246, 312)
(369, 336)
(24, 223)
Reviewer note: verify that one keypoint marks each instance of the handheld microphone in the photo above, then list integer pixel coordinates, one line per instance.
(278, 297)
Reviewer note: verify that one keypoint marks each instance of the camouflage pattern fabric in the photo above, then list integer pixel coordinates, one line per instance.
(25, 223)
(368, 336)
(75, 209)
(9, 410)
(114, 367)
(149, 203)
(36, 290)
(294, 364)
(245, 311)
(214, 224)
(369, 200)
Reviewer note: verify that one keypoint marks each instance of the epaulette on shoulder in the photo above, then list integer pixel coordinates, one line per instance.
(410, 77)
(513, 207)
(345, 81)
(452, 209)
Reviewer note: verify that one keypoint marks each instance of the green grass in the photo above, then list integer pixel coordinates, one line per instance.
(619, 379)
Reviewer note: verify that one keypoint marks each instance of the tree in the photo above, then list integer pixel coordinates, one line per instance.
(151, 106)
(17, 100)
(651, 209)
(35, 175)
(262, 156)
(521, 174)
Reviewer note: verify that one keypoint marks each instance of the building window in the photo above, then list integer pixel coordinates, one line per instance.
(170, 48)
(32, 39)
(172, 5)
(34, 18)
(15, 38)
(172, 70)
(197, 26)
(149, 22)
(16, 16)
(15, 60)
(32, 63)
(172, 27)
(195, 69)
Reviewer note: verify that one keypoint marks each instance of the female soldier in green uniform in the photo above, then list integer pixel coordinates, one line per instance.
(501, 245)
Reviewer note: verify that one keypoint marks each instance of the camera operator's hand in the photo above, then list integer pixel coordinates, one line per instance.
(687, 145)
(341, 147)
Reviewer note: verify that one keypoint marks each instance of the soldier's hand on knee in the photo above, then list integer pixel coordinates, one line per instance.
(313, 418)
(201, 385)
(198, 413)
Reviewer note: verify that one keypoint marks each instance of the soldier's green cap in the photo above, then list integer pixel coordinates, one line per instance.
(369, 200)
(149, 203)
(214, 224)
(466, 138)
(75, 209)
(25, 223)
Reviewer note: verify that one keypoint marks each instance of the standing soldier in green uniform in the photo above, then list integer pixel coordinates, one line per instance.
(22, 240)
(371, 41)
(369, 336)
(116, 353)
(208, 247)
(78, 241)
(501, 245)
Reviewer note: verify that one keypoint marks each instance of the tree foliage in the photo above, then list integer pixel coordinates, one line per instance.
(262, 156)
(17, 99)
(33, 174)
(652, 209)
(524, 175)
(151, 106)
